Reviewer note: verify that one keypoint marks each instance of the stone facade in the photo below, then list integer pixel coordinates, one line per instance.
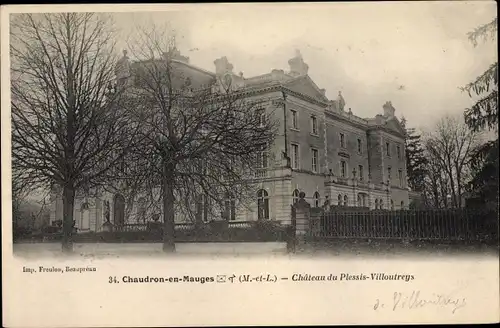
(323, 149)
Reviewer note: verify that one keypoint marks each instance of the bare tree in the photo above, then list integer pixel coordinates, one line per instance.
(19, 193)
(200, 144)
(68, 126)
(433, 184)
(449, 147)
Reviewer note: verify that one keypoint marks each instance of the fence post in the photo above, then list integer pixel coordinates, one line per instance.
(302, 210)
(291, 232)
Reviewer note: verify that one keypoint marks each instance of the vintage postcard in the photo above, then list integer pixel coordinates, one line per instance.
(250, 164)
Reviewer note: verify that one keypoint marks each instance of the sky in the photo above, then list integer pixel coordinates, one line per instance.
(414, 54)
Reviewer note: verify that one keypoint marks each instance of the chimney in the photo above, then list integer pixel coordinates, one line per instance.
(176, 55)
(388, 110)
(340, 101)
(297, 65)
(223, 66)
(123, 70)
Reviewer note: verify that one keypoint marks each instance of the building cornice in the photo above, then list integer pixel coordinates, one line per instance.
(387, 130)
(280, 88)
(345, 119)
(196, 68)
(318, 110)
(302, 96)
(314, 85)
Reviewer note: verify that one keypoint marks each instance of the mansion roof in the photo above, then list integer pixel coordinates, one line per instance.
(295, 82)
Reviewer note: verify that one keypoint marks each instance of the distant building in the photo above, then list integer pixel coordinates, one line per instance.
(322, 149)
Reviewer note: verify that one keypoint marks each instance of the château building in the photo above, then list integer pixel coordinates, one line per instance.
(322, 149)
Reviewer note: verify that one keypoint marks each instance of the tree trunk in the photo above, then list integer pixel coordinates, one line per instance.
(168, 208)
(459, 186)
(68, 205)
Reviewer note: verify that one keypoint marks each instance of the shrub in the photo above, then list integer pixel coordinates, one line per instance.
(218, 226)
(52, 229)
(154, 226)
(267, 225)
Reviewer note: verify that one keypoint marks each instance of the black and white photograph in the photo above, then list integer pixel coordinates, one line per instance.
(357, 132)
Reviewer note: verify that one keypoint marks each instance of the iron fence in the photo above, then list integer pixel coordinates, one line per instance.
(436, 224)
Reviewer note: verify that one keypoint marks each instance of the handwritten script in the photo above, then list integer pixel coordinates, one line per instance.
(417, 300)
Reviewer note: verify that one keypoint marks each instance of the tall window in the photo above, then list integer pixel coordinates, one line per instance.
(361, 172)
(230, 207)
(84, 217)
(314, 158)
(343, 169)
(314, 125)
(359, 200)
(402, 204)
(203, 208)
(316, 199)
(261, 116)
(119, 210)
(206, 208)
(360, 146)
(295, 122)
(262, 160)
(398, 150)
(295, 156)
(262, 205)
(392, 204)
(141, 210)
(389, 173)
(400, 177)
(387, 149)
(342, 140)
(120, 167)
(339, 198)
(381, 204)
(376, 204)
(346, 200)
(295, 196)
